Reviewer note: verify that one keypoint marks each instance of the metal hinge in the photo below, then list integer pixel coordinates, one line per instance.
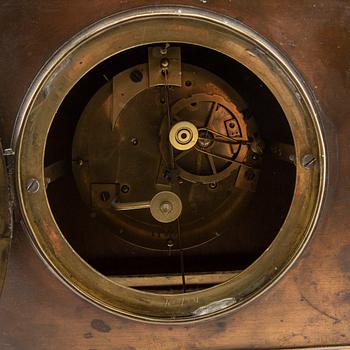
(7, 162)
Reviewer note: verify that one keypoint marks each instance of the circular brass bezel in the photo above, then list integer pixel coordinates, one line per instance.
(141, 27)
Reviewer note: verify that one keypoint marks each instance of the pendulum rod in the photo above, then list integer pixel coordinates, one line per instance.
(165, 66)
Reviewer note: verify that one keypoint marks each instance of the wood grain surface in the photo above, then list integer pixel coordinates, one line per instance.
(310, 306)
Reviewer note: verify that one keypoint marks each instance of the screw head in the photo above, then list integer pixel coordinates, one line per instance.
(32, 185)
(125, 189)
(136, 76)
(308, 161)
(164, 63)
(104, 195)
(213, 185)
(134, 141)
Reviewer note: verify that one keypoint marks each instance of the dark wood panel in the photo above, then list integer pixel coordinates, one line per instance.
(309, 306)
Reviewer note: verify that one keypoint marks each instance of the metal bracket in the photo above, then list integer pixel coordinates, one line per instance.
(129, 83)
(156, 57)
(6, 208)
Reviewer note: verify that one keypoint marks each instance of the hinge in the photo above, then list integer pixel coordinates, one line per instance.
(7, 163)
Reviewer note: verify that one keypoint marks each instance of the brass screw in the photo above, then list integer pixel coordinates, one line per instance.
(212, 185)
(32, 185)
(308, 161)
(170, 243)
(134, 141)
(125, 189)
(164, 63)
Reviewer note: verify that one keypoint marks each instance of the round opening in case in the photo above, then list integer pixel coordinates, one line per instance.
(178, 174)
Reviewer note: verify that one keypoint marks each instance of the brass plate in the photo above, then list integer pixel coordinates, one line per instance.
(104, 140)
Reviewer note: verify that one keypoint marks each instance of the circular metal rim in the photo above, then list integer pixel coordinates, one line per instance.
(262, 50)
(183, 127)
(169, 197)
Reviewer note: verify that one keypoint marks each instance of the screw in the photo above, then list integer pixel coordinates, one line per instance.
(170, 243)
(80, 162)
(212, 185)
(104, 196)
(164, 63)
(188, 83)
(8, 152)
(136, 76)
(32, 185)
(308, 161)
(249, 175)
(164, 50)
(134, 141)
(232, 125)
(125, 189)
(166, 207)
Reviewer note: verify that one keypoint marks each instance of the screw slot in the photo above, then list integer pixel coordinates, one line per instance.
(308, 161)
(32, 185)
(105, 196)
